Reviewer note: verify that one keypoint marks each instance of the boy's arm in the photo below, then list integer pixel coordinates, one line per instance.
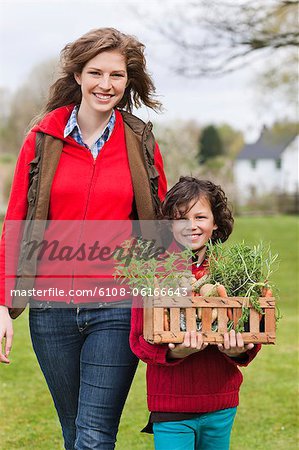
(245, 358)
(149, 353)
(235, 351)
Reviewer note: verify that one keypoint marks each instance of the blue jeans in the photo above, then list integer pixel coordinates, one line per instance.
(209, 431)
(85, 357)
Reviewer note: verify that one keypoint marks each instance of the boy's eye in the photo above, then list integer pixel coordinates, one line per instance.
(93, 73)
(117, 75)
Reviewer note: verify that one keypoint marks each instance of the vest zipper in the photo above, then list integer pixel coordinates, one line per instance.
(84, 216)
(90, 184)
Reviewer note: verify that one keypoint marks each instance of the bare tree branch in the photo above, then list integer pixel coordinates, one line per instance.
(216, 37)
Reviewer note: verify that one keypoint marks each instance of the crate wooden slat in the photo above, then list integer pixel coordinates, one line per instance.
(270, 320)
(191, 318)
(175, 319)
(213, 337)
(257, 330)
(222, 320)
(159, 318)
(212, 302)
(254, 321)
(148, 319)
(206, 317)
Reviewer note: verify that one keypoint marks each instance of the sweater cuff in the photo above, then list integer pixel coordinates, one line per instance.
(159, 356)
(241, 360)
(245, 358)
(162, 358)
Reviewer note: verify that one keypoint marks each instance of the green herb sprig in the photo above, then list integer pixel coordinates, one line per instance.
(243, 270)
(144, 269)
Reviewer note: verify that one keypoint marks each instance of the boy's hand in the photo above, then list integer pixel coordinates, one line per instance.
(233, 344)
(193, 343)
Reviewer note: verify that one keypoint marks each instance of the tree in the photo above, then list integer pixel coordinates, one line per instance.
(285, 128)
(210, 144)
(280, 79)
(179, 153)
(212, 38)
(232, 140)
(26, 103)
(215, 37)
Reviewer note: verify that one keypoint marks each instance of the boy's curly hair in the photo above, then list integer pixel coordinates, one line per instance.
(187, 191)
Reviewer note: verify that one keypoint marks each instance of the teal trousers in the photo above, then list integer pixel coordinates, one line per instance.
(209, 431)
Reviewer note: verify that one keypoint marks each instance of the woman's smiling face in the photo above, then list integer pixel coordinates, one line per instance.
(195, 227)
(103, 81)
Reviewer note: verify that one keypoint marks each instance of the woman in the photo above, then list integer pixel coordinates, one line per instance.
(84, 350)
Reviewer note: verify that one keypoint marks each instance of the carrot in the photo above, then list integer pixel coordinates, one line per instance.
(222, 293)
(166, 320)
(266, 292)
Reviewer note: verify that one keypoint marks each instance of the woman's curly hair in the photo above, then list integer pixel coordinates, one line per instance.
(182, 196)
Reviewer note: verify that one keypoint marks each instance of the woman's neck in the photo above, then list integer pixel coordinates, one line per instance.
(92, 123)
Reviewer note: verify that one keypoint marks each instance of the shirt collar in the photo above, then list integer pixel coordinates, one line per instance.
(72, 124)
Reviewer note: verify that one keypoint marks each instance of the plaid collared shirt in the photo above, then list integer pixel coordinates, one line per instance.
(72, 128)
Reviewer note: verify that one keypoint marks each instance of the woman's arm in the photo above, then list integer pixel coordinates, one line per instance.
(16, 210)
(158, 161)
(17, 204)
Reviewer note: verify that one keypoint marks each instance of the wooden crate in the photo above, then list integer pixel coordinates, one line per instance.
(154, 307)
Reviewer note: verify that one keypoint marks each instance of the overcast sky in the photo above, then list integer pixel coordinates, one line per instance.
(33, 31)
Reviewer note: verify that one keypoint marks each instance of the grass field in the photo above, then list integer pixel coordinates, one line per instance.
(268, 411)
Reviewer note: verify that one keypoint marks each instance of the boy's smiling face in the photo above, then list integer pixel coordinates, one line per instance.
(194, 228)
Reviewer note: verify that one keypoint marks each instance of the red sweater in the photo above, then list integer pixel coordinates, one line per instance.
(202, 382)
(83, 190)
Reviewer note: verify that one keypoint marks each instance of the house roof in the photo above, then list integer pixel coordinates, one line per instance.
(270, 145)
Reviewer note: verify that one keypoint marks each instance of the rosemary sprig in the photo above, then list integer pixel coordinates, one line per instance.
(244, 271)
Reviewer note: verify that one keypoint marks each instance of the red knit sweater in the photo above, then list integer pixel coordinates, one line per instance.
(83, 189)
(202, 382)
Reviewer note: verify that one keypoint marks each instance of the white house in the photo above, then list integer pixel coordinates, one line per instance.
(270, 165)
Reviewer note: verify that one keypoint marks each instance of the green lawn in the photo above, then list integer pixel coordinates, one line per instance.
(267, 415)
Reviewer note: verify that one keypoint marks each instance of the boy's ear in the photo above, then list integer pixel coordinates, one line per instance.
(215, 227)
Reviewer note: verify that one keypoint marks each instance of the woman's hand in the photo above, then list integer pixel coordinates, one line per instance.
(193, 343)
(6, 334)
(233, 344)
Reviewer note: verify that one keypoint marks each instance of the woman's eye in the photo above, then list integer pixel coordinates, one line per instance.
(114, 75)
